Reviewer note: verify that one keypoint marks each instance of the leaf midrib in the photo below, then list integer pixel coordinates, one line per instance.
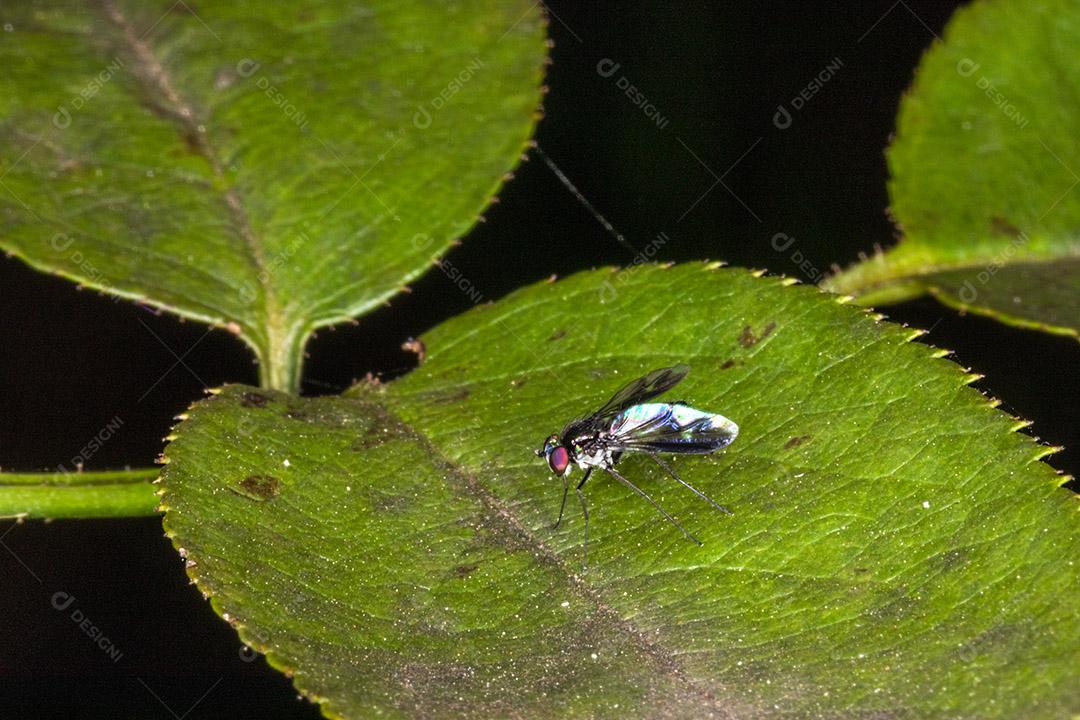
(158, 82)
(467, 484)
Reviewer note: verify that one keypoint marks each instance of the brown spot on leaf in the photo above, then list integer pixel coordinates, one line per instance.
(464, 570)
(728, 364)
(1003, 635)
(254, 399)
(262, 487)
(892, 604)
(192, 142)
(378, 433)
(1001, 226)
(518, 382)
(452, 396)
(748, 339)
(558, 335)
(796, 441)
(386, 501)
(952, 559)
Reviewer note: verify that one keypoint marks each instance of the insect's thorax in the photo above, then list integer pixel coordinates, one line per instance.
(588, 450)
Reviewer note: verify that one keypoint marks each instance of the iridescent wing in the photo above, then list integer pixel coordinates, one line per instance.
(635, 393)
(643, 389)
(669, 428)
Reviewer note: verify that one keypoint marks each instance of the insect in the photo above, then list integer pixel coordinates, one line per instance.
(629, 423)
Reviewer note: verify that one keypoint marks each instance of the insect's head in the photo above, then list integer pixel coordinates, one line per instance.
(558, 458)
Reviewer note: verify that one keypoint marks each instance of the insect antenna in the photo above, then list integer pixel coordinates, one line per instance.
(671, 471)
(618, 476)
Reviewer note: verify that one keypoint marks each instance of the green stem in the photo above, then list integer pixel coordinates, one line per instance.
(115, 493)
(281, 363)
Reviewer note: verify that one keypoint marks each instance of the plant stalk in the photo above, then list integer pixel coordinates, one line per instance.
(109, 494)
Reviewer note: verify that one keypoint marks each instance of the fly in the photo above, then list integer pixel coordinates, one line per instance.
(629, 423)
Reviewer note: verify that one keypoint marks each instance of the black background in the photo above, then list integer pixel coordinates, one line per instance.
(73, 360)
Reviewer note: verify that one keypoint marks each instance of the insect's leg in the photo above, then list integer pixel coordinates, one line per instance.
(618, 476)
(585, 510)
(691, 488)
(562, 506)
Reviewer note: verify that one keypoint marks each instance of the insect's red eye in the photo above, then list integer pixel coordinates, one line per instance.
(558, 459)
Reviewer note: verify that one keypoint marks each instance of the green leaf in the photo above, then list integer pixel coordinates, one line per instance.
(269, 169)
(111, 493)
(985, 169)
(896, 548)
